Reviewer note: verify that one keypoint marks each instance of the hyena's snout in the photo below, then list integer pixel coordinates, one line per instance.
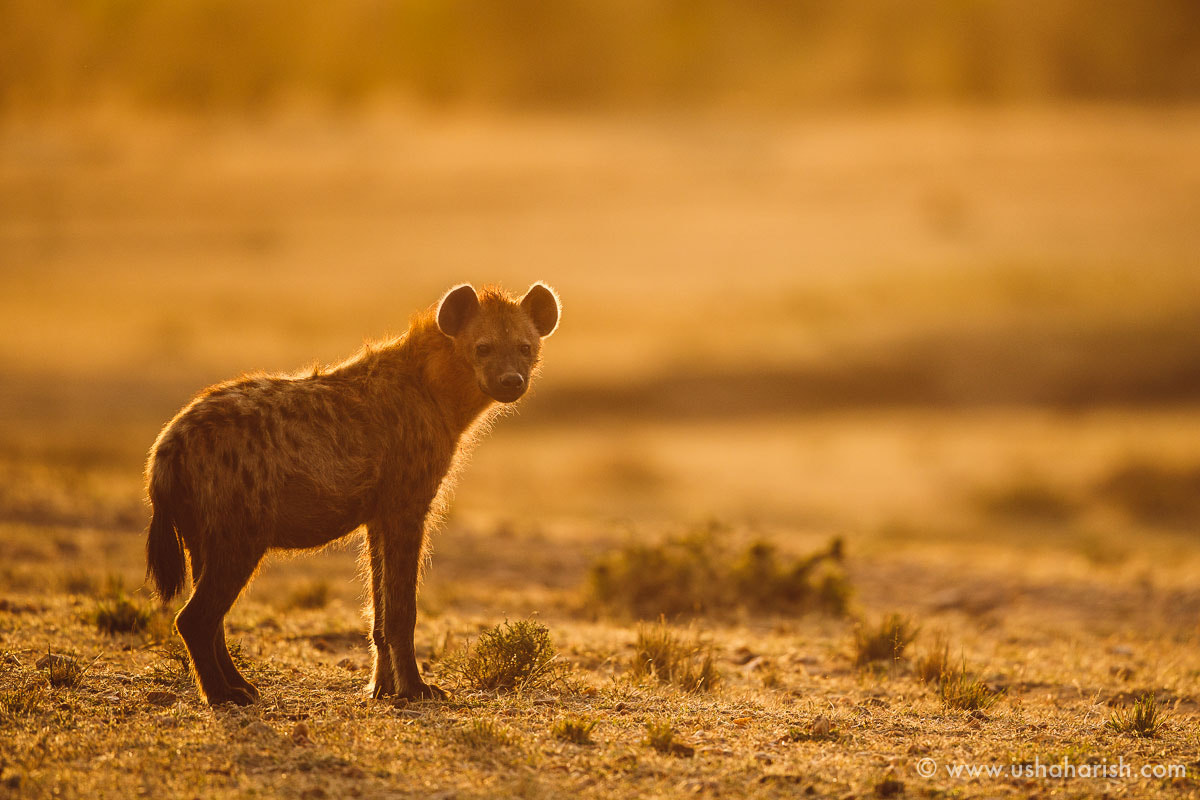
(508, 387)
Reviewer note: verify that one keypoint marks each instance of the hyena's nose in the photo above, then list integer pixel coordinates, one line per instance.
(512, 380)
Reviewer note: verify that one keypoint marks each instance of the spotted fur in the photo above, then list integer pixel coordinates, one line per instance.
(297, 461)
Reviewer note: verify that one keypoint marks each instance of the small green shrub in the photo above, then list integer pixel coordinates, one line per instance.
(885, 643)
(660, 654)
(512, 656)
(577, 730)
(1146, 718)
(698, 573)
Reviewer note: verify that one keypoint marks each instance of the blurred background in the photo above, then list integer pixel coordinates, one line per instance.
(905, 271)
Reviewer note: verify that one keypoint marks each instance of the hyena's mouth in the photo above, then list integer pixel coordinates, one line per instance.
(503, 394)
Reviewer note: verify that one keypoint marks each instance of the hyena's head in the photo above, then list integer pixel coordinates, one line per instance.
(499, 336)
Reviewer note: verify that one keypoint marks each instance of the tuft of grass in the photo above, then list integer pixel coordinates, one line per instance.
(64, 672)
(512, 656)
(934, 664)
(660, 736)
(309, 595)
(659, 653)
(961, 690)
(1145, 718)
(483, 734)
(22, 702)
(120, 614)
(698, 573)
(174, 668)
(884, 643)
(574, 729)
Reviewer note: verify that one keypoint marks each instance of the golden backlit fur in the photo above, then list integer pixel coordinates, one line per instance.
(297, 461)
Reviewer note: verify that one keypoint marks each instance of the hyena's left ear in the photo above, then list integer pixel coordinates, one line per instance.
(542, 306)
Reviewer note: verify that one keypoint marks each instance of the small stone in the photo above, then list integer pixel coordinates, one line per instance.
(161, 698)
(56, 660)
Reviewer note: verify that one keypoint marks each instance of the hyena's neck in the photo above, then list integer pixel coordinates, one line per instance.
(428, 357)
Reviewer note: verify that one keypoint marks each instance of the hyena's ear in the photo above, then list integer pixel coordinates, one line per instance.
(456, 309)
(542, 306)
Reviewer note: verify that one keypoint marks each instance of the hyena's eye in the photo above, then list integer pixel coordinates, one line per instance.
(482, 350)
(526, 350)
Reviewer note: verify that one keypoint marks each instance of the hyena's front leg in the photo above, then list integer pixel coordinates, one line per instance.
(383, 680)
(402, 543)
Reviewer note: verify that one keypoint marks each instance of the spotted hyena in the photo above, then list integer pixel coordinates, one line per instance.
(297, 461)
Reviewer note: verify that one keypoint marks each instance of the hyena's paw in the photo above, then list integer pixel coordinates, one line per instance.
(424, 691)
(237, 695)
(378, 690)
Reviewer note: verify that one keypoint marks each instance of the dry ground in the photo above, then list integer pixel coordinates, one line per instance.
(962, 341)
(1068, 640)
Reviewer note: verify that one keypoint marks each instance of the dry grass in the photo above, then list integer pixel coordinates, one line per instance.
(121, 614)
(885, 642)
(820, 724)
(1056, 272)
(701, 573)
(512, 656)
(1145, 718)
(64, 671)
(661, 736)
(22, 701)
(934, 663)
(308, 595)
(574, 729)
(660, 653)
(965, 692)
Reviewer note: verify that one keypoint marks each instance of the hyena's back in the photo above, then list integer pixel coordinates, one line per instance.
(262, 462)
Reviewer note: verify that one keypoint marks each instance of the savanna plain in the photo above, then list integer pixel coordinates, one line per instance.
(867, 453)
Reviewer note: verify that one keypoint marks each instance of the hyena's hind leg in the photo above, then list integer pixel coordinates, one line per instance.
(220, 649)
(201, 624)
(383, 679)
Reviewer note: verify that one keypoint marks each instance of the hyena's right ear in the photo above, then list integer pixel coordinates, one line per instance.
(456, 309)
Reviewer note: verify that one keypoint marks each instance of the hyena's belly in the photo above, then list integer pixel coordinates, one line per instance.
(307, 513)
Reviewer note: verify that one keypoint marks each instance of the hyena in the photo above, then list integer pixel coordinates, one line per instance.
(297, 461)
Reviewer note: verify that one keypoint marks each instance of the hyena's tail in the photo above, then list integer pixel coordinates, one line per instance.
(164, 549)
